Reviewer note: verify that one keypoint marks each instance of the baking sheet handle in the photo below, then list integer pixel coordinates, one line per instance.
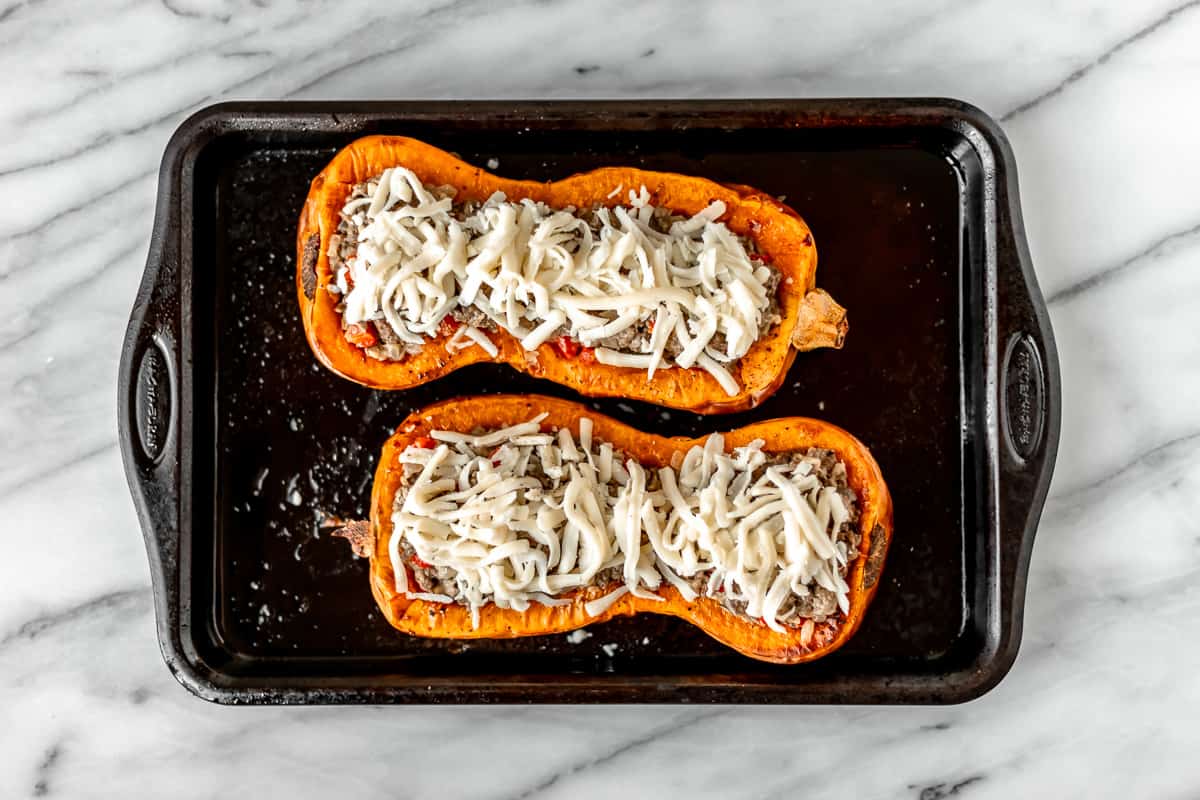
(148, 406)
(1028, 407)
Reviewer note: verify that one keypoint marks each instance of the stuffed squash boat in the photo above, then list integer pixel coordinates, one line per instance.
(619, 282)
(505, 516)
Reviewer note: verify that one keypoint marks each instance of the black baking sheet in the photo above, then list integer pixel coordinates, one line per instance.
(916, 236)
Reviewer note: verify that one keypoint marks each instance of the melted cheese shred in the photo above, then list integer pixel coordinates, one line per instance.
(476, 509)
(533, 270)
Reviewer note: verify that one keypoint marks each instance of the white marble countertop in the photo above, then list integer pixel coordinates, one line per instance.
(1100, 102)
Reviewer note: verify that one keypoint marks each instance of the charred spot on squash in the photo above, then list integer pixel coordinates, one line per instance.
(308, 265)
(875, 557)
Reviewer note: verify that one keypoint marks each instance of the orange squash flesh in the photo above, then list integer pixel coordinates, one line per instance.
(810, 317)
(437, 620)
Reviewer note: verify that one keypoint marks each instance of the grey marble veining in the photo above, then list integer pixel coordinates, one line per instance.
(1099, 100)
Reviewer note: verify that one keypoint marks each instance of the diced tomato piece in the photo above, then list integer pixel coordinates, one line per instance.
(448, 325)
(763, 257)
(588, 355)
(361, 335)
(566, 346)
(416, 560)
(425, 442)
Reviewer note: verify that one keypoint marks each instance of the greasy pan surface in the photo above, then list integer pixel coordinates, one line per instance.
(238, 445)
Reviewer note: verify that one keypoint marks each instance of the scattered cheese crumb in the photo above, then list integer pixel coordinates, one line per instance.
(292, 494)
(258, 480)
(609, 649)
(577, 637)
(493, 163)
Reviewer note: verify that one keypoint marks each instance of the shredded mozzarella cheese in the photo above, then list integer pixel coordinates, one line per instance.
(533, 270)
(595, 608)
(521, 516)
(480, 338)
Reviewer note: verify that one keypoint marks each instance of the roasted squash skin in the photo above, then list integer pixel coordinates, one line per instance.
(811, 318)
(436, 620)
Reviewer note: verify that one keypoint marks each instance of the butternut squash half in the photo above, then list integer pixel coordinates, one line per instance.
(810, 317)
(430, 618)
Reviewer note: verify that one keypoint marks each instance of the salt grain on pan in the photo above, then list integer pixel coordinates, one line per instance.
(577, 637)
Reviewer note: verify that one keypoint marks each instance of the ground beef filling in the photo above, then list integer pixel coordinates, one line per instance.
(634, 339)
(819, 604)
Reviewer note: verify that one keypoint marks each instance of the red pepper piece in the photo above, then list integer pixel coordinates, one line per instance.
(567, 347)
